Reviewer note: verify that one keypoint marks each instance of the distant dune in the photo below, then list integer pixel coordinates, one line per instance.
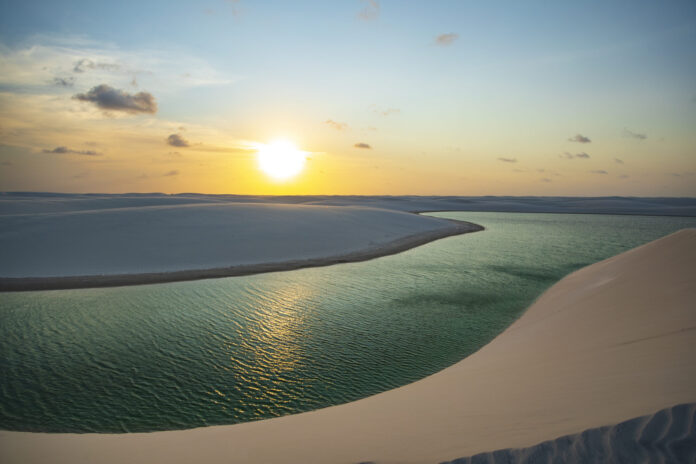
(11, 203)
(80, 243)
(53, 241)
(609, 343)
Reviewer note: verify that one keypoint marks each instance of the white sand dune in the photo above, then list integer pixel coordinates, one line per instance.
(12, 203)
(119, 238)
(609, 343)
(667, 436)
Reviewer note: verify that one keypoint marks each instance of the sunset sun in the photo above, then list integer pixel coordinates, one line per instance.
(280, 159)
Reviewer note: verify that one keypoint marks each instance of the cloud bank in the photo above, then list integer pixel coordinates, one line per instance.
(363, 145)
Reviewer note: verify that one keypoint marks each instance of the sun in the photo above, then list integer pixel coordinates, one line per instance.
(280, 159)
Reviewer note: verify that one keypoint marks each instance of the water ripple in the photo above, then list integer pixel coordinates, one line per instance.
(229, 350)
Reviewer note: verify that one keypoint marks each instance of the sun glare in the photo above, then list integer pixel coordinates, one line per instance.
(280, 159)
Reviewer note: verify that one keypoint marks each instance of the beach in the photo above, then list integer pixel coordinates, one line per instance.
(610, 342)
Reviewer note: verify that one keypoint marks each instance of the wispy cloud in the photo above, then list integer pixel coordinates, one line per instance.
(618, 161)
(624, 176)
(579, 138)
(64, 81)
(173, 172)
(362, 145)
(546, 179)
(32, 66)
(507, 160)
(86, 64)
(371, 10)
(634, 135)
(176, 140)
(384, 111)
(582, 155)
(109, 98)
(599, 171)
(65, 150)
(446, 39)
(234, 7)
(336, 125)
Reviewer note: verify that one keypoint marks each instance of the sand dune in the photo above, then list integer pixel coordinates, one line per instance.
(13, 203)
(669, 435)
(610, 342)
(230, 238)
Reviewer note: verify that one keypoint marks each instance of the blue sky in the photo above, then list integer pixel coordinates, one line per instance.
(515, 80)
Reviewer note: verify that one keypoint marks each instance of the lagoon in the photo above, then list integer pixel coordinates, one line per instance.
(229, 350)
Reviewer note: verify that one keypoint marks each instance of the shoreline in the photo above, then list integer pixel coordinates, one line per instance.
(594, 349)
(27, 284)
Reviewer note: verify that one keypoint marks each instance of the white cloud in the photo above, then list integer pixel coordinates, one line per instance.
(34, 68)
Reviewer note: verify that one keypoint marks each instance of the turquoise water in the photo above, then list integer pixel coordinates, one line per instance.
(229, 350)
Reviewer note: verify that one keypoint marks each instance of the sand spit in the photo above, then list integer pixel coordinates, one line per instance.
(166, 243)
(610, 342)
(669, 435)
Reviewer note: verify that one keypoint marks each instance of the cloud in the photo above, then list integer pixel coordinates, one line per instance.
(30, 66)
(371, 10)
(85, 64)
(173, 172)
(64, 81)
(336, 125)
(599, 171)
(576, 155)
(633, 135)
(508, 160)
(64, 150)
(362, 145)
(384, 112)
(233, 5)
(623, 176)
(618, 161)
(446, 39)
(579, 138)
(175, 140)
(546, 179)
(108, 98)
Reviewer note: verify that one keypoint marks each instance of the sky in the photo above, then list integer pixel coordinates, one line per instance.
(380, 97)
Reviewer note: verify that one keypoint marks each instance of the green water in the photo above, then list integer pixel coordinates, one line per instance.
(230, 350)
